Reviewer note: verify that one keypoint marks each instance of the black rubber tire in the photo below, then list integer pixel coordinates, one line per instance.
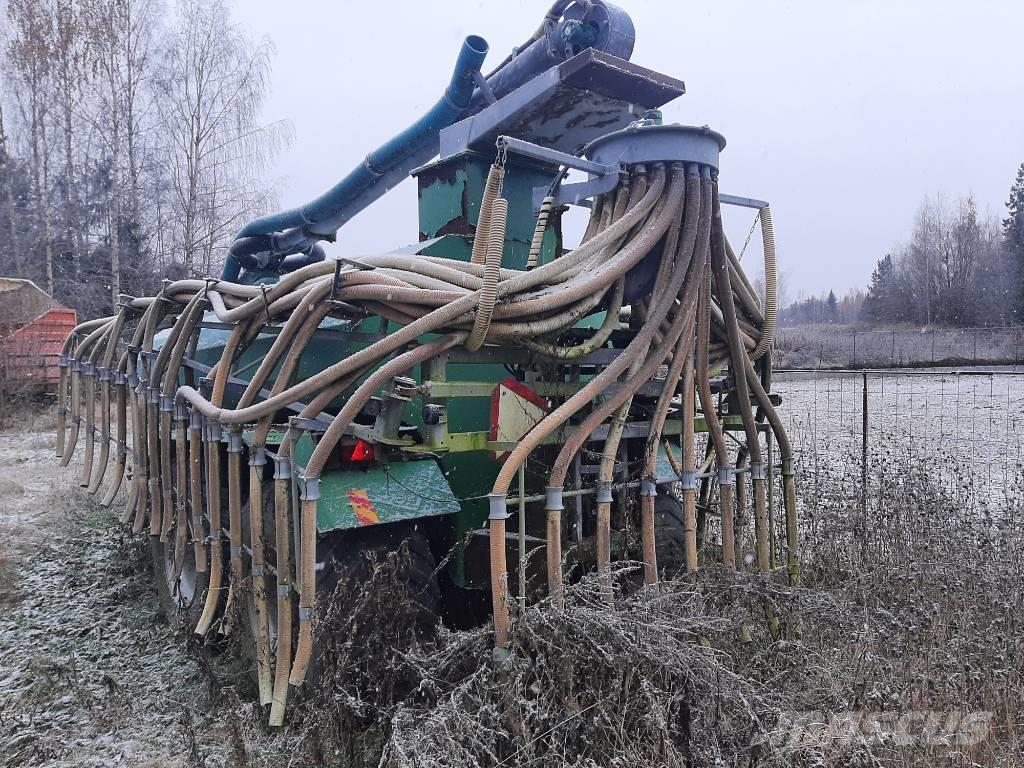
(347, 556)
(367, 628)
(181, 599)
(669, 534)
(351, 556)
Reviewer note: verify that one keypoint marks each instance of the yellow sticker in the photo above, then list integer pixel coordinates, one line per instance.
(359, 500)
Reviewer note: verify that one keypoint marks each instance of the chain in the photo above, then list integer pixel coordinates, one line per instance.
(750, 234)
(501, 160)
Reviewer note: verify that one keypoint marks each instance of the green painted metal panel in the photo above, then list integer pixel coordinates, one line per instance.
(387, 493)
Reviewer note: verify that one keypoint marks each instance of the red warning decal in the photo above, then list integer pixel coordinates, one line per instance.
(359, 500)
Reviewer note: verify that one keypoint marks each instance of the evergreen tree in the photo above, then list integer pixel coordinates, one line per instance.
(1013, 238)
(880, 306)
(831, 308)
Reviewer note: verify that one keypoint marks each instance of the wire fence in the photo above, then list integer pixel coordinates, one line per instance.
(963, 428)
(840, 347)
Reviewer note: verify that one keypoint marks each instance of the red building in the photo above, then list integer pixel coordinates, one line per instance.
(33, 326)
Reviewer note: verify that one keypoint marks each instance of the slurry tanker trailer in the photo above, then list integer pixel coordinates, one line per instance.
(519, 408)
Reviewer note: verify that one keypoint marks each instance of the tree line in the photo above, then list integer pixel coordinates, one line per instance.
(957, 269)
(131, 145)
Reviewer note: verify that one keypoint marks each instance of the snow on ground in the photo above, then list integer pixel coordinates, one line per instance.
(90, 674)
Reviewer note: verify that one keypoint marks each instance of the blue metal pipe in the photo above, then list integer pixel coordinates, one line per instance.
(593, 23)
(381, 169)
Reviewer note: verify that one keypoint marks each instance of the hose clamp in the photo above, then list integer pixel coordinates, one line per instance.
(76, 365)
(63, 361)
(498, 507)
(282, 468)
(214, 431)
(166, 493)
(88, 369)
(153, 395)
(153, 482)
(180, 412)
(757, 470)
(235, 439)
(133, 379)
(195, 422)
(77, 419)
(688, 478)
(62, 410)
(166, 404)
(120, 378)
(236, 551)
(257, 569)
(603, 492)
(103, 374)
(647, 487)
(726, 476)
(553, 498)
(305, 614)
(197, 520)
(311, 489)
(257, 456)
(284, 589)
(787, 467)
(122, 449)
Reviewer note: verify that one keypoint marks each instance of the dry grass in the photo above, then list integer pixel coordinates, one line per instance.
(921, 614)
(838, 346)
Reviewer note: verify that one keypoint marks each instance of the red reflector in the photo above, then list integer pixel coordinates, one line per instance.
(360, 452)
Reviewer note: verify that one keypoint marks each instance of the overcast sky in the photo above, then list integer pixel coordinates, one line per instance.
(843, 115)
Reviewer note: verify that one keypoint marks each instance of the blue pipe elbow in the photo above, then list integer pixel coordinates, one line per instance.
(397, 157)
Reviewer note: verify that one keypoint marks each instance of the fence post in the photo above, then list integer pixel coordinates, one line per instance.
(864, 459)
(854, 363)
(975, 346)
(892, 351)
(933, 346)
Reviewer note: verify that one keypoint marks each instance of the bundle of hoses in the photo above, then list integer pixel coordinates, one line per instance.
(700, 314)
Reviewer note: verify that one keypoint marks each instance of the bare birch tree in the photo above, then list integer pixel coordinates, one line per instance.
(213, 84)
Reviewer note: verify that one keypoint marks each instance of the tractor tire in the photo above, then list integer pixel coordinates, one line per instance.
(376, 596)
(348, 559)
(669, 535)
(181, 594)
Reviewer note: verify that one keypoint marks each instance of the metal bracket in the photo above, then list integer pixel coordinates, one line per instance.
(577, 194)
(308, 425)
(688, 478)
(553, 156)
(553, 499)
(742, 202)
(498, 507)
